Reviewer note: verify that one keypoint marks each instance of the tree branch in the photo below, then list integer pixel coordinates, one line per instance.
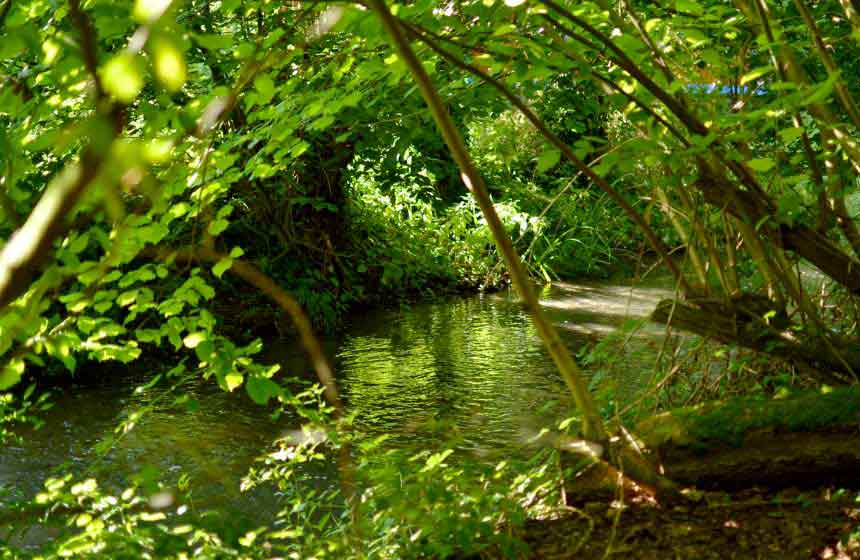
(553, 139)
(592, 424)
(88, 39)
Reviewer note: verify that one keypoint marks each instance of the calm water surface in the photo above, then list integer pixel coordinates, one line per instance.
(468, 372)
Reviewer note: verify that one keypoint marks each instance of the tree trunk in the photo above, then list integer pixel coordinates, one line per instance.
(757, 323)
(799, 239)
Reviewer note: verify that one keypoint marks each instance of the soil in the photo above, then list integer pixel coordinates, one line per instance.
(752, 524)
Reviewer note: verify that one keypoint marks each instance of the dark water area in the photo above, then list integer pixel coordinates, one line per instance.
(462, 372)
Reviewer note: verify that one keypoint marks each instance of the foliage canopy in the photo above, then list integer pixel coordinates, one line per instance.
(168, 166)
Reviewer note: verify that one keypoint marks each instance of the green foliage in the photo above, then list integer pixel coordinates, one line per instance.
(411, 505)
(20, 410)
(573, 231)
(419, 246)
(121, 526)
(135, 140)
(424, 505)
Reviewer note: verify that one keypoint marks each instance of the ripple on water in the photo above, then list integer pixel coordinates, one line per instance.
(466, 372)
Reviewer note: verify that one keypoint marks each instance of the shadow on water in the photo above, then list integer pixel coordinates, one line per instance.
(211, 439)
(467, 372)
(473, 369)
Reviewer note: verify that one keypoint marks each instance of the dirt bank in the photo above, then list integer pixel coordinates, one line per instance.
(753, 524)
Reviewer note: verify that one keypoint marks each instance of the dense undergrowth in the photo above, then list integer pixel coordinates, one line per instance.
(329, 179)
(168, 170)
(402, 234)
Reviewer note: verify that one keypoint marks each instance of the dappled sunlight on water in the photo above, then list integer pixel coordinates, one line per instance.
(595, 308)
(472, 370)
(462, 372)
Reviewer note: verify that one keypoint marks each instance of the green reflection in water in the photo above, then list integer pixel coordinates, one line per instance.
(472, 370)
(468, 372)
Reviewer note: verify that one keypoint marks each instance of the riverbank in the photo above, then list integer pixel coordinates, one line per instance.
(245, 313)
(467, 374)
(754, 523)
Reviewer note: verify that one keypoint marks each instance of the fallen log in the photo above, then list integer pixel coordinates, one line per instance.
(810, 439)
(757, 323)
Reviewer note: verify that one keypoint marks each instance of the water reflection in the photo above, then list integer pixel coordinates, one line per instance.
(464, 371)
(474, 369)
(470, 368)
(212, 443)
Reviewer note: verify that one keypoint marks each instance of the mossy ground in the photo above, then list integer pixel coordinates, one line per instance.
(727, 422)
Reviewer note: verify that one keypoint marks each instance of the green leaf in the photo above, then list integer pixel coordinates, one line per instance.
(127, 298)
(213, 42)
(80, 243)
(261, 389)
(352, 100)
(243, 50)
(11, 373)
(761, 164)
(689, 7)
(204, 351)
(436, 460)
(791, 134)
(158, 150)
(204, 289)
(789, 207)
(265, 86)
(233, 380)
(822, 91)
(218, 226)
(322, 123)
(755, 73)
(548, 160)
(122, 77)
(225, 211)
(221, 267)
(148, 335)
(148, 11)
(652, 24)
(152, 233)
(193, 339)
(169, 64)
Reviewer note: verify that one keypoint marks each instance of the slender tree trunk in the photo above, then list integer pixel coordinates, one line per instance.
(593, 428)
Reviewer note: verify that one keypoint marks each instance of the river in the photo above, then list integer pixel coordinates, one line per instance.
(463, 372)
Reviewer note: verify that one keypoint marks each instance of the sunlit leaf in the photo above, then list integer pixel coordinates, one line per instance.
(218, 226)
(122, 77)
(221, 267)
(233, 380)
(761, 164)
(193, 339)
(11, 373)
(169, 64)
(755, 73)
(146, 11)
